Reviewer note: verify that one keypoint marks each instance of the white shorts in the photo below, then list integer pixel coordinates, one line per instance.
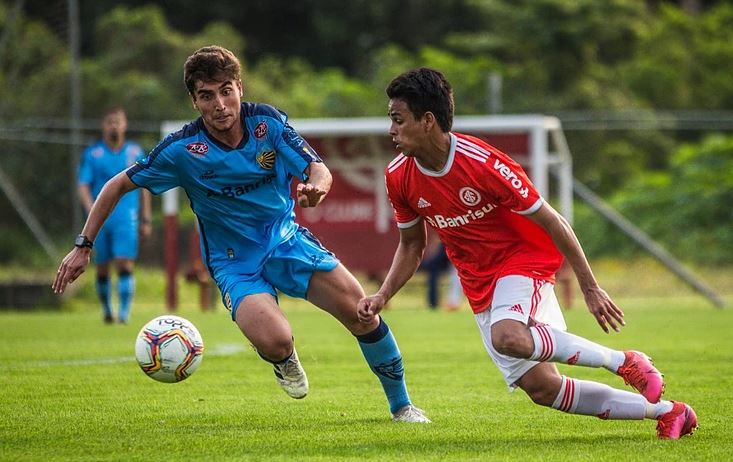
(518, 298)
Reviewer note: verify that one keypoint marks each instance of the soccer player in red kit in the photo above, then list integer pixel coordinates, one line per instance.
(507, 243)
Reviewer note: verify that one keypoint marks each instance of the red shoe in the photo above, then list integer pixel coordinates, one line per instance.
(639, 372)
(678, 422)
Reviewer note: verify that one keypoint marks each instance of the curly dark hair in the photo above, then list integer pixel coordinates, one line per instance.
(425, 90)
(210, 64)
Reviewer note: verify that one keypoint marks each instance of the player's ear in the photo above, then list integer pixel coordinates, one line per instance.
(428, 121)
(240, 85)
(193, 102)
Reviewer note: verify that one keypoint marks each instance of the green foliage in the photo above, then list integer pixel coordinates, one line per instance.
(557, 54)
(33, 61)
(607, 160)
(686, 208)
(334, 59)
(682, 61)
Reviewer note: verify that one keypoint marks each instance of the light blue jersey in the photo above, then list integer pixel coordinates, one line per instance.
(241, 195)
(99, 164)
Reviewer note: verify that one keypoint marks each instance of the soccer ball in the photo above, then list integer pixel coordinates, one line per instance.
(169, 348)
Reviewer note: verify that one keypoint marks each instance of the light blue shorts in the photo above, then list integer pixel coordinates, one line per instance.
(288, 269)
(116, 240)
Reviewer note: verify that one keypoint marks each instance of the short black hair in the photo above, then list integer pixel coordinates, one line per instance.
(425, 90)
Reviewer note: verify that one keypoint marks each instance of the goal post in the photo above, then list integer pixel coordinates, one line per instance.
(356, 220)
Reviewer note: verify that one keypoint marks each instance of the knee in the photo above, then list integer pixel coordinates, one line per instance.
(542, 384)
(275, 349)
(511, 339)
(125, 266)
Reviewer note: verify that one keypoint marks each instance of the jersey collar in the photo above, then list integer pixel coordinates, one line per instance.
(449, 163)
(218, 143)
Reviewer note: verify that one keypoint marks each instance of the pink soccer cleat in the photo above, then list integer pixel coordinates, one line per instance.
(678, 422)
(639, 372)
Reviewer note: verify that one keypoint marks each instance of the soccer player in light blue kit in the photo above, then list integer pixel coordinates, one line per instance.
(117, 241)
(236, 163)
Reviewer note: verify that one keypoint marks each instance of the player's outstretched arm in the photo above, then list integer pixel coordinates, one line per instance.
(76, 261)
(313, 191)
(599, 303)
(406, 260)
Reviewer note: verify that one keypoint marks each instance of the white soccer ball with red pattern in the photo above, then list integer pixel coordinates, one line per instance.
(169, 348)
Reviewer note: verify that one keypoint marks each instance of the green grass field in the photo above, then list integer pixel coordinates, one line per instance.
(70, 390)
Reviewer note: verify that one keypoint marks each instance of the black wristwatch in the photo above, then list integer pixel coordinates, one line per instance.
(83, 241)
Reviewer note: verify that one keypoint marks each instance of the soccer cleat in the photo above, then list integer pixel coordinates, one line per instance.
(678, 422)
(410, 414)
(639, 372)
(291, 376)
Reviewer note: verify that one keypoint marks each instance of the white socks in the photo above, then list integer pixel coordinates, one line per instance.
(592, 398)
(554, 345)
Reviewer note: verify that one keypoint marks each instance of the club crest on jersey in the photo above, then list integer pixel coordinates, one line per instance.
(261, 130)
(97, 153)
(469, 196)
(198, 149)
(266, 160)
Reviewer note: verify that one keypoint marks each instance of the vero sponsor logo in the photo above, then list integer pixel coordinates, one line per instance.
(512, 177)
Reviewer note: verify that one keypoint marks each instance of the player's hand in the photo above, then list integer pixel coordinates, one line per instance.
(369, 307)
(605, 311)
(309, 195)
(72, 266)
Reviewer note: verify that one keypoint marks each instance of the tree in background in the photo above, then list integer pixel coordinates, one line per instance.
(317, 59)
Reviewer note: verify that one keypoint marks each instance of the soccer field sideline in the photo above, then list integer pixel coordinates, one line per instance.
(231, 409)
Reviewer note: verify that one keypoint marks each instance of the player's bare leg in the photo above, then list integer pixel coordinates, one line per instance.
(338, 292)
(540, 342)
(263, 323)
(545, 386)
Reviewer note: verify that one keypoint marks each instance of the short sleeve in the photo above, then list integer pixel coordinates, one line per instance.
(293, 149)
(511, 185)
(156, 172)
(404, 215)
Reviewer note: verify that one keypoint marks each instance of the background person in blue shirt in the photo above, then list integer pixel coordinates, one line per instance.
(117, 242)
(236, 163)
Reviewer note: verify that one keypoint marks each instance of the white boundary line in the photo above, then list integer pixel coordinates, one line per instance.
(224, 349)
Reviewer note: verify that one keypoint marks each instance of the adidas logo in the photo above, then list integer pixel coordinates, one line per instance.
(422, 203)
(517, 308)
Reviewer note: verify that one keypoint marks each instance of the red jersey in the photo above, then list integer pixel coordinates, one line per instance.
(476, 205)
